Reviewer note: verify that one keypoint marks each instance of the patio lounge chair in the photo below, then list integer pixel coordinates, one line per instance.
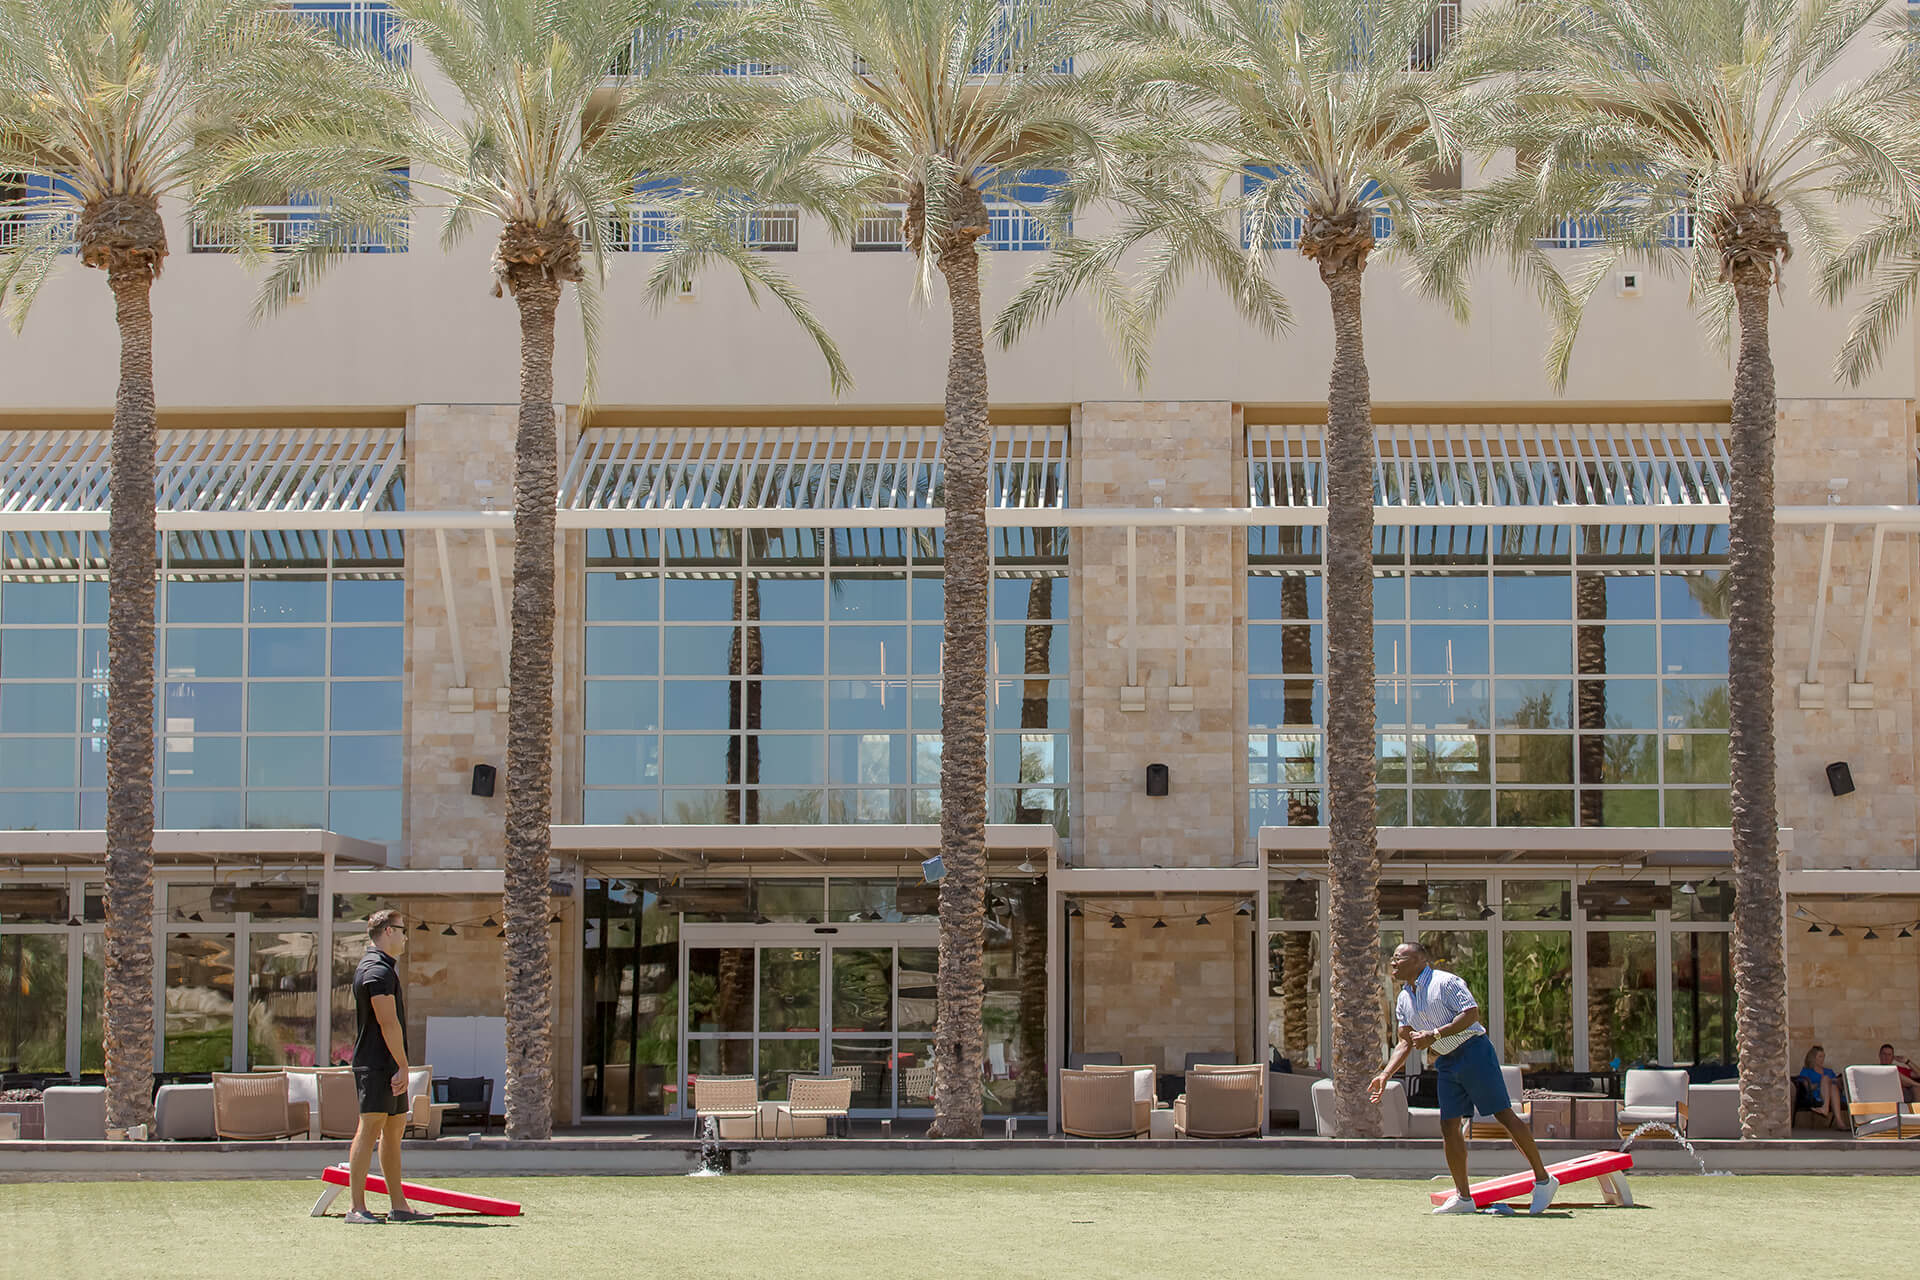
(719, 1098)
(1875, 1106)
(813, 1099)
(251, 1108)
(1106, 1102)
(1221, 1102)
(1653, 1095)
(467, 1099)
(1487, 1126)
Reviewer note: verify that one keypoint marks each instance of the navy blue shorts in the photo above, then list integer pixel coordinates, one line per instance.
(1470, 1081)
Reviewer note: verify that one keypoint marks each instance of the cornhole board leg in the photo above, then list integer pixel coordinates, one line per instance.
(1614, 1189)
(328, 1193)
(1602, 1165)
(335, 1176)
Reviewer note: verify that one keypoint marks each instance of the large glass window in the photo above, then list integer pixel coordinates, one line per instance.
(1526, 676)
(631, 1016)
(793, 676)
(198, 1020)
(278, 668)
(1623, 1000)
(33, 1001)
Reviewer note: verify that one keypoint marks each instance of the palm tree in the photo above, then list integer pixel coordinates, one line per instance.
(1320, 120)
(107, 107)
(1701, 137)
(943, 106)
(576, 115)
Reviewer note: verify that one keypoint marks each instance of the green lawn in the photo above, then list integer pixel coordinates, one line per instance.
(842, 1228)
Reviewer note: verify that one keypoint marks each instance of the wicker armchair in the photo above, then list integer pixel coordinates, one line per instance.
(339, 1101)
(1221, 1102)
(255, 1107)
(727, 1098)
(1106, 1102)
(916, 1086)
(811, 1099)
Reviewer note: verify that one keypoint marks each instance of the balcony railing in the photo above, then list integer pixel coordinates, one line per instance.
(880, 231)
(1284, 232)
(1432, 42)
(286, 226)
(17, 225)
(1010, 227)
(771, 229)
(366, 24)
(1595, 229)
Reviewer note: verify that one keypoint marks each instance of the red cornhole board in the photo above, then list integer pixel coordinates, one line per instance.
(1609, 1167)
(335, 1178)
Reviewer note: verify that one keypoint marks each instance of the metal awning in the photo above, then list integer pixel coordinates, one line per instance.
(833, 474)
(1453, 465)
(824, 847)
(233, 849)
(212, 478)
(1304, 848)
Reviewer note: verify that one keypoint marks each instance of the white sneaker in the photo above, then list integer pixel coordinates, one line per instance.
(1543, 1195)
(1457, 1203)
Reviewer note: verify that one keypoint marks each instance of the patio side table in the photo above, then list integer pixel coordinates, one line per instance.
(1596, 1118)
(1551, 1117)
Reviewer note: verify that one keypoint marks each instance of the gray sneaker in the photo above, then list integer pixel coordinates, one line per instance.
(408, 1215)
(361, 1218)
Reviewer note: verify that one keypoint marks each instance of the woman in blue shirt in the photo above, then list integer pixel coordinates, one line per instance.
(1823, 1088)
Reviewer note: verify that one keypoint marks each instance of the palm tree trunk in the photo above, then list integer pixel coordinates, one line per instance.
(1354, 909)
(529, 965)
(130, 573)
(958, 1050)
(1759, 952)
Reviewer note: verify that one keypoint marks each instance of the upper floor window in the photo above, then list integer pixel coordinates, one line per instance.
(364, 24)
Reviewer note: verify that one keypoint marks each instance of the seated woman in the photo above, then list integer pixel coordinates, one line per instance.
(1823, 1088)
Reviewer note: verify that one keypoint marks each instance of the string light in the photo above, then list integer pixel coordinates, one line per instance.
(1074, 911)
(1203, 919)
(1116, 923)
(1159, 924)
(448, 932)
(490, 923)
(1835, 932)
(1870, 935)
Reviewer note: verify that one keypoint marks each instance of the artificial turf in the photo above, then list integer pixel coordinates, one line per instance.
(844, 1228)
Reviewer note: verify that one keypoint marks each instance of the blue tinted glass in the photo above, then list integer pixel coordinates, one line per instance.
(287, 762)
(288, 600)
(1390, 649)
(369, 600)
(697, 704)
(365, 705)
(1292, 596)
(1602, 596)
(1447, 596)
(1620, 704)
(618, 808)
(790, 760)
(926, 650)
(365, 815)
(38, 600)
(37, 762)
(623, 704)
(1390, 704)
(1296, 649)
(1389, 596)
(96, 594)
(202, 707)
(699, 599)
(1449, 704)
(1533, 704)
(288, 708)
(792, 599)
(1546, 651)
(1693, 650)
(1037, 649)
(623, 651)
(200, 762)
(1274, 704)
(1547, 596)
(793, 651)
(203, 652)
(209, 810)
(29, 655)
(204, 601)
(1693, 595)
(790, 704)
(858, 598)
(1448, 650)
(617, 597)
(93, 810)
(622, 760)
(93, 652)
(929, 597)
(700, 808)
(367, 760)
(867, 704)
(1015, 598)
(287, 651)
(93, 762)
(368, 651)
(268, 810)
(623, 546)
(1027, 758)
(37, 708)
(702, 651)
(875, 759)
(1696, 704)
(926, 705)
(1625, 650)
(699, 759)
(859, 651)
(1016, 704)
(36, 811)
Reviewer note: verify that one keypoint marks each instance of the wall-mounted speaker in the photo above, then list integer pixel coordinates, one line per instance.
(1157, 778)
(483, 779)
(1840, 778)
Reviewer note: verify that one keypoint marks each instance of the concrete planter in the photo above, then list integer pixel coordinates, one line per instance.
(33, 1123)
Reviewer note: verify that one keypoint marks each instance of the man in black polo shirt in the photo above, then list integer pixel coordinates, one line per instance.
(380, 1069)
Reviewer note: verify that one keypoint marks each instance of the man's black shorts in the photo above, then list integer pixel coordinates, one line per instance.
(375, 1086)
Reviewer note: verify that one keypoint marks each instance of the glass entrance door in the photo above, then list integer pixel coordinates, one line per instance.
(776, 1001)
